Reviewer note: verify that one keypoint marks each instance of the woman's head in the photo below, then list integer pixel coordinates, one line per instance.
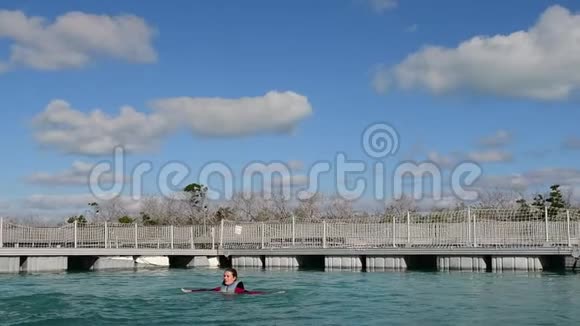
(230, 276)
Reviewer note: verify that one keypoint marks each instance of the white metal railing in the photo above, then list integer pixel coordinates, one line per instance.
(461, 228)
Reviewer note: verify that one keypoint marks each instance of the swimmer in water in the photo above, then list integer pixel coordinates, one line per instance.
(230, 284)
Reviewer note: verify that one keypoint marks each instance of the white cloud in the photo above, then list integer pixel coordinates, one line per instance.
(523, 181)
(74, 203)
(273, 112)
(447, 161)
(381, 6)
(58, 202)
(72, 131)
(290, 180)
(443, 161)
(296, 165)
(78, 174)
(572, 143)
(381, 79)
(74, 39)
(490, 156)
(500, 138)
(539, 63)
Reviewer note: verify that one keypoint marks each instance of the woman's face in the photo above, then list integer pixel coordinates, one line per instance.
(229, 278)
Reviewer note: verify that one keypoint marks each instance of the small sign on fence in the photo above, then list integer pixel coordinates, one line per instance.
(238, 230)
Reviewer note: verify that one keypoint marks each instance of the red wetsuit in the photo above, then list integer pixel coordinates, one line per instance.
(238, 290)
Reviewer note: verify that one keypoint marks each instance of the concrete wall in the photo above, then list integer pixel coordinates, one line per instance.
(249, 261)
(44, 264)
(499, 264)
(571, 263)
(199, 261)
(9, 264)
(152, 261)
(104, 263)
(456, 263)
(378, 263)
(285, 262)
(352, 263)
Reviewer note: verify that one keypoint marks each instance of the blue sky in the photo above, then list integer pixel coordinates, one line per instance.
(446, 75)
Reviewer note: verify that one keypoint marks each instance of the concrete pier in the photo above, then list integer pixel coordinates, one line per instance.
(13, 260)
(382, 263)
(107, 263)
(531, 264)
(152, 261)
(9, 264)
(459, 263)
(281, 262)
(351, 263)
(199, 261)
(247, 261)
(572, 263)
(44, 264)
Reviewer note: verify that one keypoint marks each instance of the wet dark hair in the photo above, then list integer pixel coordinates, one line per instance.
(233, 271)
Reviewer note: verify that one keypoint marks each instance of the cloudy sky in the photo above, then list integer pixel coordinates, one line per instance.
(295, 82)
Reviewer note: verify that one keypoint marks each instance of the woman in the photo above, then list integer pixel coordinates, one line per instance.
(230, 284)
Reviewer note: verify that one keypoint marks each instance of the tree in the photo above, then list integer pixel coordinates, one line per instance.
(80, 219)
(146, 219)
(196, 198)
(96, 209)
(111, 210)
(524, 210)
(126, 220)
(556, 201)
(224, 213)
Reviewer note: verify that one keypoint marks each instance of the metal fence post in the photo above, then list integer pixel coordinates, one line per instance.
(324, 234)
(469, 225)
(263, 232)
(222, 235)
(171, 234)
(474, 233)
(106, 235)
(393, 231)
(546, 222)
(191, 233)
(408, 228)
(567, 228)
(212, 238)
(75, 233)
(1, 232)
(136, 233)
(293, 230)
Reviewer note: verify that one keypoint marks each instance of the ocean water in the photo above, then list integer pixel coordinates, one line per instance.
(153, 297)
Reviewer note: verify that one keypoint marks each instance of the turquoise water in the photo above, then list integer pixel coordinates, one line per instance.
(153, 297)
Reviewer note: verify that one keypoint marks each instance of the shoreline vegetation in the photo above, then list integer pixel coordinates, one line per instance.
(191, 207)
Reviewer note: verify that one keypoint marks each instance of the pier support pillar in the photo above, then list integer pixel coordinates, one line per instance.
(458, 263)
(352, 263)
(385, 263)
(122, 262)
(9, 264)
(44, 264)
(151, 261)
(281, 262)
(501, 263)
(247, 261)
